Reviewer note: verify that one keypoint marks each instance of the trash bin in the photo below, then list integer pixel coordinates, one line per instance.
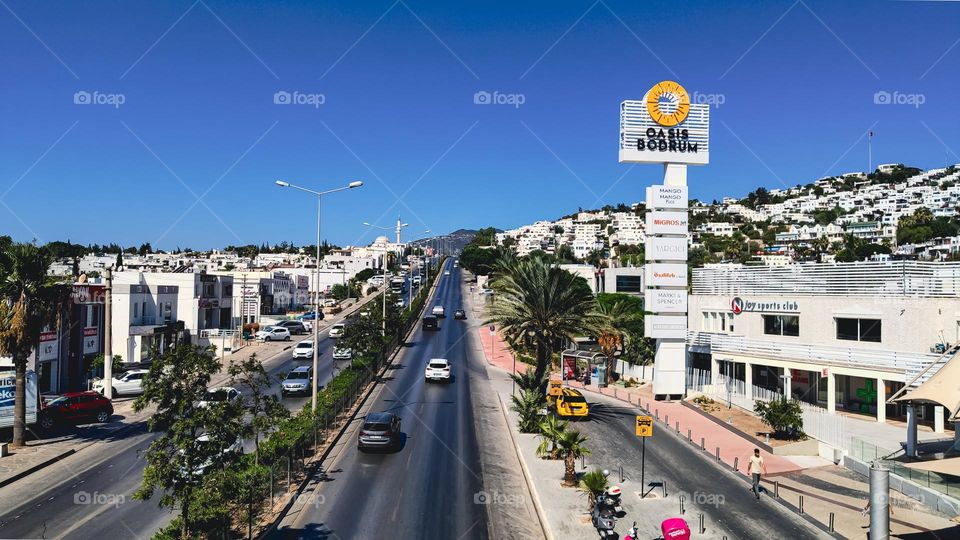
(675, 529)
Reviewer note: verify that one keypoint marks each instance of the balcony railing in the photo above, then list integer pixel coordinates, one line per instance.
(893, 278)
(908, 364)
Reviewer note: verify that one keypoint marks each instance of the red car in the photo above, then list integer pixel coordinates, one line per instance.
(75, 408)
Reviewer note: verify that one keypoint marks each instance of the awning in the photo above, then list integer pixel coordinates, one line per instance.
(940, 466)
(943, 388)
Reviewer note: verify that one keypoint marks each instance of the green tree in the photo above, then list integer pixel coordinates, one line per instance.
(527, 404)
(537, 305)
(551, 429)
(529, 380)
(29, 302)
(264, 409)
(178, 459)
(570, 446)
(593, 484)
(119, 263)
(783, 415)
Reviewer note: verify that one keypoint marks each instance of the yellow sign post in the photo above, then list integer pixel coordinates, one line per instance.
(644, 430)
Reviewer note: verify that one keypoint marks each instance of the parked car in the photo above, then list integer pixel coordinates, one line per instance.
(311, 316)
(460, 314)
(571, 403)
(438, 369)
(336, 331)
(304, 349)
(430, 322)
(298, 381)
(342, 354)
(437, 311)
(220, 394)
(129, 383)
(76, 407)
(273, 333)
(236, 447)
(295, 327)
(379, 430)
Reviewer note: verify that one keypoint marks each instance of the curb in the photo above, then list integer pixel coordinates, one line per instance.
(541, 515)
(37, 467)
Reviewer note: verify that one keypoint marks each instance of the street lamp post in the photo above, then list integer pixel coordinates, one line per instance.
(316, 291)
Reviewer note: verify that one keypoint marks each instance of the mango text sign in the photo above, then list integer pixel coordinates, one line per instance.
(644, 426)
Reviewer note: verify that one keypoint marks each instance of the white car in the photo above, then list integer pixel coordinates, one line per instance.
(273, 333)
(304, 349)
(128, 384)
(437, 311)
(437, 370)
(399, 304)
(342, 354)
(235, 448)
(336, 331)
(220, 394)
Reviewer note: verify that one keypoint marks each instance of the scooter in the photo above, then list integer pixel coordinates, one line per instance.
(632, 533)
(603, 519)
(611, 500)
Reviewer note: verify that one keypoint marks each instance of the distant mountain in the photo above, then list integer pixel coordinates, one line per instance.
(455, 241)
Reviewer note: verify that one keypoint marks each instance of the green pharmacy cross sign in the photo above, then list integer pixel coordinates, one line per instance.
(868, 394)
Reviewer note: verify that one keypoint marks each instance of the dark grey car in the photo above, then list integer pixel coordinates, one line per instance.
(295, 327)
(379, 430)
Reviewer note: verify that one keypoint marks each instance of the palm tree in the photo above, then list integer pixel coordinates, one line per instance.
(29, 301)
(593, 483)
(551, 429)
(618, 319)
(537, 305)
(527, 404)
(528, 380)
(570, 446)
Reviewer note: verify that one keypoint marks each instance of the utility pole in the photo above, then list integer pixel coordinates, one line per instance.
(383, 319)
(108, 336)
(869, 152)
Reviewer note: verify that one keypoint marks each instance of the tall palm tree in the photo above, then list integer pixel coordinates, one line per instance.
(537, 305)
(570, 446)
(29, 301)
(618, 317)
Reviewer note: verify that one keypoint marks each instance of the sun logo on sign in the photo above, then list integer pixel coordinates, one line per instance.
(736, 305)
(668, 103)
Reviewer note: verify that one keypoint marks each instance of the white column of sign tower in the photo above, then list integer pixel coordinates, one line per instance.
(666, 128)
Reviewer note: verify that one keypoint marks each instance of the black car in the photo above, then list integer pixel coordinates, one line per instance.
(379, 430)
(295, 327)
(430, 322)
(460, 314)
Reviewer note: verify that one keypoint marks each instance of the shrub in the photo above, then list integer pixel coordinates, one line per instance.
(783, 415)
(593, 483)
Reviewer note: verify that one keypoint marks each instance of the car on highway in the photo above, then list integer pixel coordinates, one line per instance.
(416, 279)
(129, 383)
(304, 349)
(273, 333)
(430, 322)
(437, 311)
(571, 403)
(236, 447)
(460, 314)
(298, 381)
(295, 327)
(337, 330)
(220, 394)
(446, 272)
(76, 407)
(438, 369)
(344, 353)
(379, 430)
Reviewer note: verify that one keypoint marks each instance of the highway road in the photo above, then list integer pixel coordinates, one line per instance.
(427, 489)
(90, 494)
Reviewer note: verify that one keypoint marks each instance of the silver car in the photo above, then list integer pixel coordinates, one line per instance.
(379, 430)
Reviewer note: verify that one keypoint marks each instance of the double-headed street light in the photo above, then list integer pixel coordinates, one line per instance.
(316, 292)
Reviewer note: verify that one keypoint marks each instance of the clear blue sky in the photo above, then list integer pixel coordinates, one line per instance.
(398, 78)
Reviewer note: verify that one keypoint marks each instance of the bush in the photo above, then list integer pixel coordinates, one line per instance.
(784, 416)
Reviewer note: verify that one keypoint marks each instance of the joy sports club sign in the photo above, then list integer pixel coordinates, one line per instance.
(739, 305)
(664, 127)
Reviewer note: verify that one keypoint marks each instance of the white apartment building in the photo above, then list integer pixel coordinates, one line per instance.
(144, 317)
(839, 336)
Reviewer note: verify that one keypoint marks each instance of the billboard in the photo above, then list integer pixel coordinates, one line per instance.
(667, 198)
(665, 327)
(665, 275)
(665, 127)
(666, 248)
(661, 222)
(665, 300)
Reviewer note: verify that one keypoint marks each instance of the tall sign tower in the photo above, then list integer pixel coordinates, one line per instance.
(664, 127)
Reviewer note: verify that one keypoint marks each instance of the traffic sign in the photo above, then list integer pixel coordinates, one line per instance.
(644, 426)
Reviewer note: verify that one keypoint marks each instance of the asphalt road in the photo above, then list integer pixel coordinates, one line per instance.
(683, 466)
(90, 494)
(427, 489)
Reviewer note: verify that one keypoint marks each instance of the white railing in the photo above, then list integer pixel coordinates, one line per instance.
(891, 278)
(817, 422)
(906, 363)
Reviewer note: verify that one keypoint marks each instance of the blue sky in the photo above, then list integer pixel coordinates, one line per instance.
(190, 156)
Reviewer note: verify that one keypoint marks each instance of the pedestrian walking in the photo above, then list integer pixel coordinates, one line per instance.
(756, 467)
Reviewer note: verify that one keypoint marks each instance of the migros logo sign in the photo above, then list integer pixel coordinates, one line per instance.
(673, 222)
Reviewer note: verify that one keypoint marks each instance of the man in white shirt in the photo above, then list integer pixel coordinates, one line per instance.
(755, 468)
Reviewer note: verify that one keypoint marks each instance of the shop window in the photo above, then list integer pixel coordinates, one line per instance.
(781, 325)
(858, 329)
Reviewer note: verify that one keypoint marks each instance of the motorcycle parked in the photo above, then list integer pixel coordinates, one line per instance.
(612, 500)
(604, 520)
